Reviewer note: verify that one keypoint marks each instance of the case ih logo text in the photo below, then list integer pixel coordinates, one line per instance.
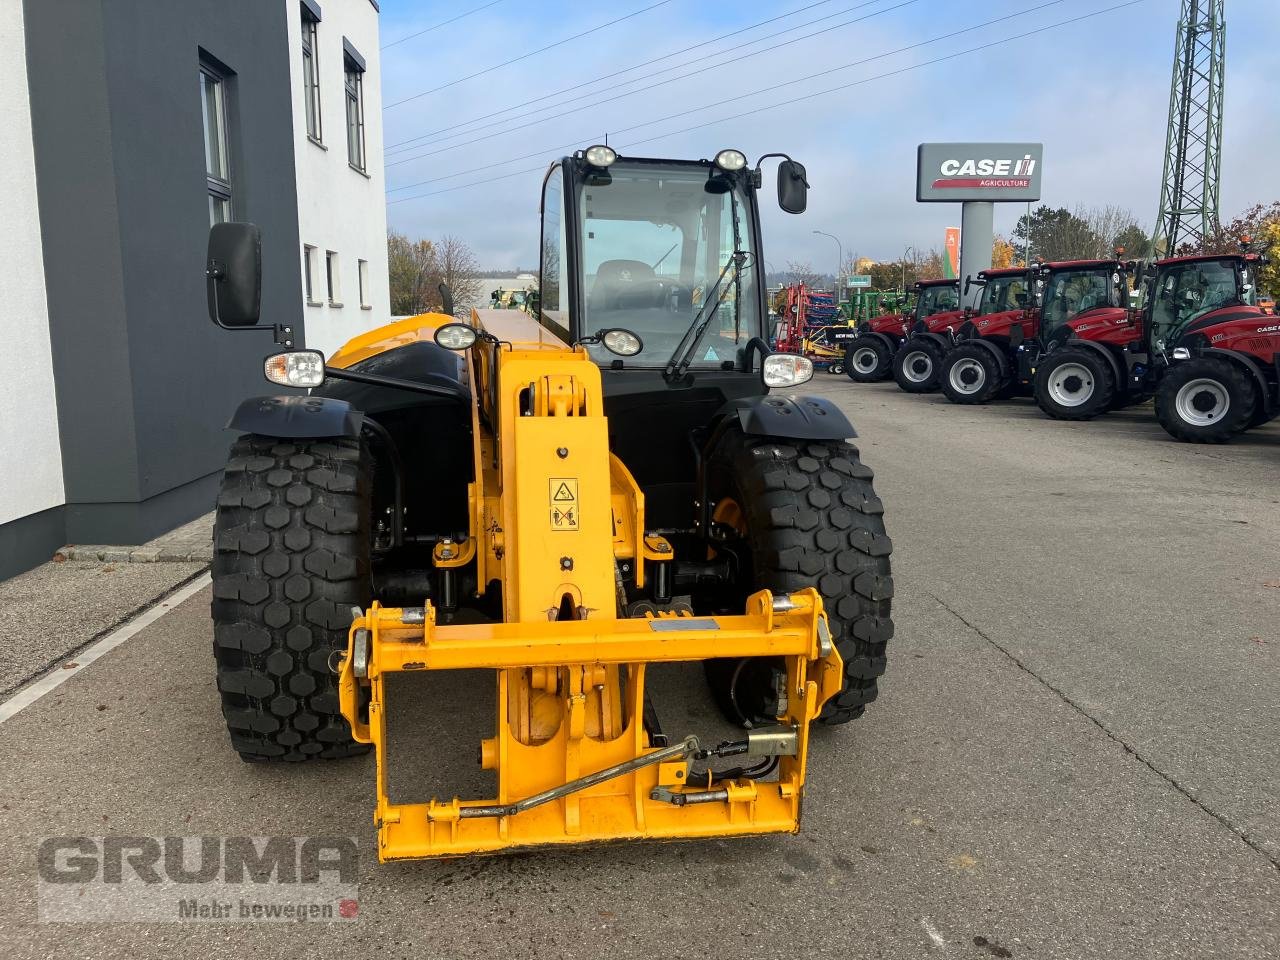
(988, 173)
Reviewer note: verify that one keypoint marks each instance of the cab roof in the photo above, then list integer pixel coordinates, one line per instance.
(937, 283)
(1082, 264)
(1002, 272)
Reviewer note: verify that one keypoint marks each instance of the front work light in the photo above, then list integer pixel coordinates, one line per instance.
(456, 336)
(731, 160)
(297, 368)
(622, 342)
(786, 370)
(1181, 353)
(600, 155)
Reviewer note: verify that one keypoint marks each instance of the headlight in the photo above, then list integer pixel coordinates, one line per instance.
(622, 342)
(600, 155)
(1181, 353)
(297, 368)
(786, 370)
(455, 336)
(731, 160)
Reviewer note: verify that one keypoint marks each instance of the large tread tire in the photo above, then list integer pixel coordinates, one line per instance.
(917, 366)
(291, 559)
(1074, 384)
(1230, 401)
(857, 360)
(970, 375)
(813, 519)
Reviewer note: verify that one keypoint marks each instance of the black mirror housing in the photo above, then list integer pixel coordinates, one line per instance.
(793, 187)
(234, 273)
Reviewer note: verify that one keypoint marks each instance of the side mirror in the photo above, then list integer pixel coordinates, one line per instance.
(234, 274)
(446, 299)
(793, 187)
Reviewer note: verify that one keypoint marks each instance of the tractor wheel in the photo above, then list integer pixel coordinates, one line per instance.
(1205, 401)
(835, 367)
(867, 360)
(808, 516)
(291, 558)
(917, 366)
(1074, 385)
(970, 374)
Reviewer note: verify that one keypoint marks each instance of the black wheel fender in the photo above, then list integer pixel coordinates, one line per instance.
(1121, 376)
(1000, 357)
(789, 417)
(297, 418)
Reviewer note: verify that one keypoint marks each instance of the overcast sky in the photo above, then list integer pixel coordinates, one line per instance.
(1095, 92)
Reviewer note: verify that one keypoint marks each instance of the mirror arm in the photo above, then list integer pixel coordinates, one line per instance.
(214, 274)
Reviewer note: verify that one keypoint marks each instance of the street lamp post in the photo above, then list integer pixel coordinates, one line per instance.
(905, 253)
(839, 262)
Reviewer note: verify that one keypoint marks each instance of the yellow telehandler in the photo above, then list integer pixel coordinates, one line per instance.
(542, 521)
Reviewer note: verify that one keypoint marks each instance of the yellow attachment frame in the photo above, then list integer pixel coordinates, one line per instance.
(572, 756)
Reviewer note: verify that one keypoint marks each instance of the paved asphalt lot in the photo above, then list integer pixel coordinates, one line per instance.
(1076, 752)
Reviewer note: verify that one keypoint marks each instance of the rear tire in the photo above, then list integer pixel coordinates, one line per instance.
(867, 360)
(812, 519)
(1074, 385)
(917, 366)
(970, 375)
(291, 558)
(1208, 400)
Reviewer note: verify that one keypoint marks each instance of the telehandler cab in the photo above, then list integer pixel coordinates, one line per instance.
(563, 505)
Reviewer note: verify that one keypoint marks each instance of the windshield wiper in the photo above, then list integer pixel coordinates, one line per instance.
(680, 360)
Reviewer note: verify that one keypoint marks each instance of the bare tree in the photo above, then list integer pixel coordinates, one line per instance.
(1111, 227)
(803, 272)
(460, 270)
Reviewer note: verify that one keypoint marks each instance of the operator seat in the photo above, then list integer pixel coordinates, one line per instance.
(624, 284)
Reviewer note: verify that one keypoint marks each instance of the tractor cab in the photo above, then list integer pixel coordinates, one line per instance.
(935, 297)
(1083, 296)
(1008, 298)
(1187, 295)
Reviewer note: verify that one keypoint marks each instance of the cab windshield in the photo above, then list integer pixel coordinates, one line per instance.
(655, 240)
(1003, 293)
(938, 299)
(1187, 291)
(1070, 293)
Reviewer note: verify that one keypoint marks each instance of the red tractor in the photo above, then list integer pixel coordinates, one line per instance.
(984, 362)
(1216, 354)
(1200, 343)
(869, 347)
(917, 363)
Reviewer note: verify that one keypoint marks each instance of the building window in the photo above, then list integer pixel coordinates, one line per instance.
(332, 278)
(311, 72)
(217, 153)
(355, 111)
(309, 273)
(363, 271)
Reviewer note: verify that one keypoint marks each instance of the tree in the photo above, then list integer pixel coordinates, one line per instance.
(803, 272)
(459, 269)
(1003, 255)
(1056, 234)
(1135, 241)
(411, 267)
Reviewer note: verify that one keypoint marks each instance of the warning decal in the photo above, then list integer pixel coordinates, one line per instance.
(563, 496)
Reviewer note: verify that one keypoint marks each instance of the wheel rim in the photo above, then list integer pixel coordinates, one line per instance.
(865, 360)
(1071, 385)
(1202, 402)
(967, 376)
(917, 366)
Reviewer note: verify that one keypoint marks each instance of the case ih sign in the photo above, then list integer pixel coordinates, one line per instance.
(959, 172)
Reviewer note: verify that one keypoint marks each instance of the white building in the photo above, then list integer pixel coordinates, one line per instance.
(128, 128)
(337, 127)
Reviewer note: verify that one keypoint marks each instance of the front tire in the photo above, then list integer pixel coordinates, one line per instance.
(291, 559)
(867, 360)
(970, 375)
(1074, 385)
(1205, 401)
(917, 366)
(811, 518)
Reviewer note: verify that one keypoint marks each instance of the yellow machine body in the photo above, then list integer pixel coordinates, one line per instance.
(552, 512)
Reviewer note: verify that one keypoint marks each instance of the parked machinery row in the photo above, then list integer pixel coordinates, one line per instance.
(1067, 334)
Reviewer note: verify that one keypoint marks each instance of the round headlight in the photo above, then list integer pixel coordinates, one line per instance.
(731, 160)
(786, 370)
(297, 368)
(622, 342)
(600, 155)
(455, 336)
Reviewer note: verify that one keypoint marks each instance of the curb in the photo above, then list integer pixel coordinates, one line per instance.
(99, 553)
